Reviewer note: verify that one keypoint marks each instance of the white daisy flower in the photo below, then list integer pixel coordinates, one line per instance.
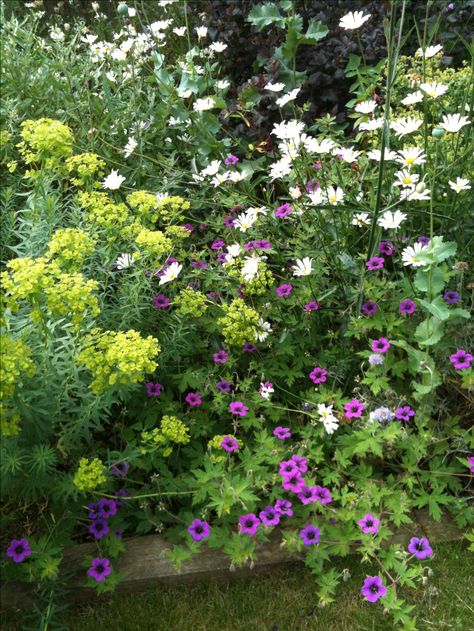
(371, 125)
(454, 122)
(281, 168)
(295, 192)
(412, 98)
(410, 156)
(201, 105)
(431, 51)
(179, 31)
(124, 261)
(330, 422)
(237, 176)
(360, 220)
(334, 195)
(316, 197)
(233, 252)
(404, 126)
(303, 267)
(459, 185)
(406, 178)
(288, 130)
(286, 98)
(410, 255)
(245, 221)
(223, 84)
(201, 31)
(130, 147)
(415, 193)
(434, 89)
(218, 47)
(262, 330)
(391, 221)
(211, 168)
(220, 178)
(353, 20)
(113, 181)
(366, 107)
(275, 87)
(171, 273)
(312, 145)
(348, 154)
(250, 267)
(375, 154)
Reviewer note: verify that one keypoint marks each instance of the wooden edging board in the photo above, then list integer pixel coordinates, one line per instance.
(145, 563)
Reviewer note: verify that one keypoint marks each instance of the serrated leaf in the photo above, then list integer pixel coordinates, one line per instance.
(264, 15)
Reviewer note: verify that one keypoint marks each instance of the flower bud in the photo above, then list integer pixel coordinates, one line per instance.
(438, 133)
(420, 187)
(122, 9)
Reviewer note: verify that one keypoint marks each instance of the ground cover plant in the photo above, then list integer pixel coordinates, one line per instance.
(209, 336)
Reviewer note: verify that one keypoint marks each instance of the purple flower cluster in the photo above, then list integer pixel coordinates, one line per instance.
(100, 513)
(291, 472)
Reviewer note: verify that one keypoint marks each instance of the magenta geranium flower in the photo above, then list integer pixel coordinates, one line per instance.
(231, 160)
(249, 347)
(288, 467)
(381, 345)
(293, 482)
(312, 305)
(404, 413)
(318, 375)
(224, 386)
(323, 495)
(269, 516)
(282, 432)
(99, 569)
(199, 530)
(262, 244)
(310, 535)
(221, 357)
(217, 244)
(376, 262)
(387, 248)
(283, 211)
(230, 444)
(301, 463)
(407, 306)
(237, 407)
(193, 399)
(153, 389)
(420, 548)
(354, 408)
(120, 469)
(369, 524)
(99, 528)
(161, 302)
(19, 550)
(461, 359)
(106, 508)
(308, 494)
(249, 524)
(284, 290)
(470, 464)
(283, 507)
(373, 589)
(369, 308)
(451, 297)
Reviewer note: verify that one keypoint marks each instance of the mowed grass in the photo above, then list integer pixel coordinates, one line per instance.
(284, 599)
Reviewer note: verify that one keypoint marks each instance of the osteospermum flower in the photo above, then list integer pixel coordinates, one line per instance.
(303, 267)
(353, 20)
(376, 262)
(391, 221)
(407, 306)
(454, 122)
(171, 273)
(434, 89)
(230, 444)
(199, 530)
(461, 184)
(248, 524)
(19, 550)
(310, 535)
(99, 569)
(354, 408)
(373, 589)
(269, 516)
(381, 345)
(318, 375)
(461, 359)
(420, 548)
(113, 181)
(369, 524)
(282, 433)
(410, 255)
(404, 413)
(193, 399)
(237, 407)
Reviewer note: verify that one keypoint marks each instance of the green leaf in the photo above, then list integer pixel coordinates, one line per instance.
(437, 307)
(264, 15)
(354, 62)
(429, 332)
(437, 280)
(316, 31)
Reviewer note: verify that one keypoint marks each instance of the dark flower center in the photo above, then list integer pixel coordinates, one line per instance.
(199, 530)
(100, 568)
(420, 546)
(369, 523)
(19, 550)
(270, 514)
(99, 526)
(374, 588)
(249, 523)
(310, 535)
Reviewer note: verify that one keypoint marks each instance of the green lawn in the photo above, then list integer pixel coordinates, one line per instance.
(283, 600)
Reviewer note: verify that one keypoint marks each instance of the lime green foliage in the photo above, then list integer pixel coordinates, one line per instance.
(24, 279)
(118, 357)
(90, 474)
(191, 302)
(102, 212)
(46, 142)
(145, 205)
(260, 284)
(16, 363)
(85, 168)
(172, 208)
(172, 430)
(72, 296)
(153, 243)
(239, 323)
(70, 247)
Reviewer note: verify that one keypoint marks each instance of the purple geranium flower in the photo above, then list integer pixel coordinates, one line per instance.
(19, 550)
(470, 464)
(293, 482)
(99, 528)
(312, 186)
(120, 469)
(369, 524)
(369, 308)
(323, 495)
(230, 444)
(373, 589)
(354, 408)
(99, 569)
(221, 357)
(420, 547)
(282, 432)
(161, 302)
(310, 535)
(387, 248)
(237, 407)
(461, 359)
(312, 305)
(451, 297)
(121, 493)
(199, 264)
(106, 508)
(229, 222)
(249, 347)
(270, 516)
(308, 494)
(424, 240)
(193, 399)
(217, 244)
(249, 524)
(283, 507)
(404, 413)
(231, 160)
(92, 510)
(300, 462)
(262, 244)
(288, 467)
(407, 306)
(199, 530)
(381, 345)
(188, 226)
(284, 290)
(224, 386)
(318, 375)
(376, 262)
(283, 211)
(153, 389)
